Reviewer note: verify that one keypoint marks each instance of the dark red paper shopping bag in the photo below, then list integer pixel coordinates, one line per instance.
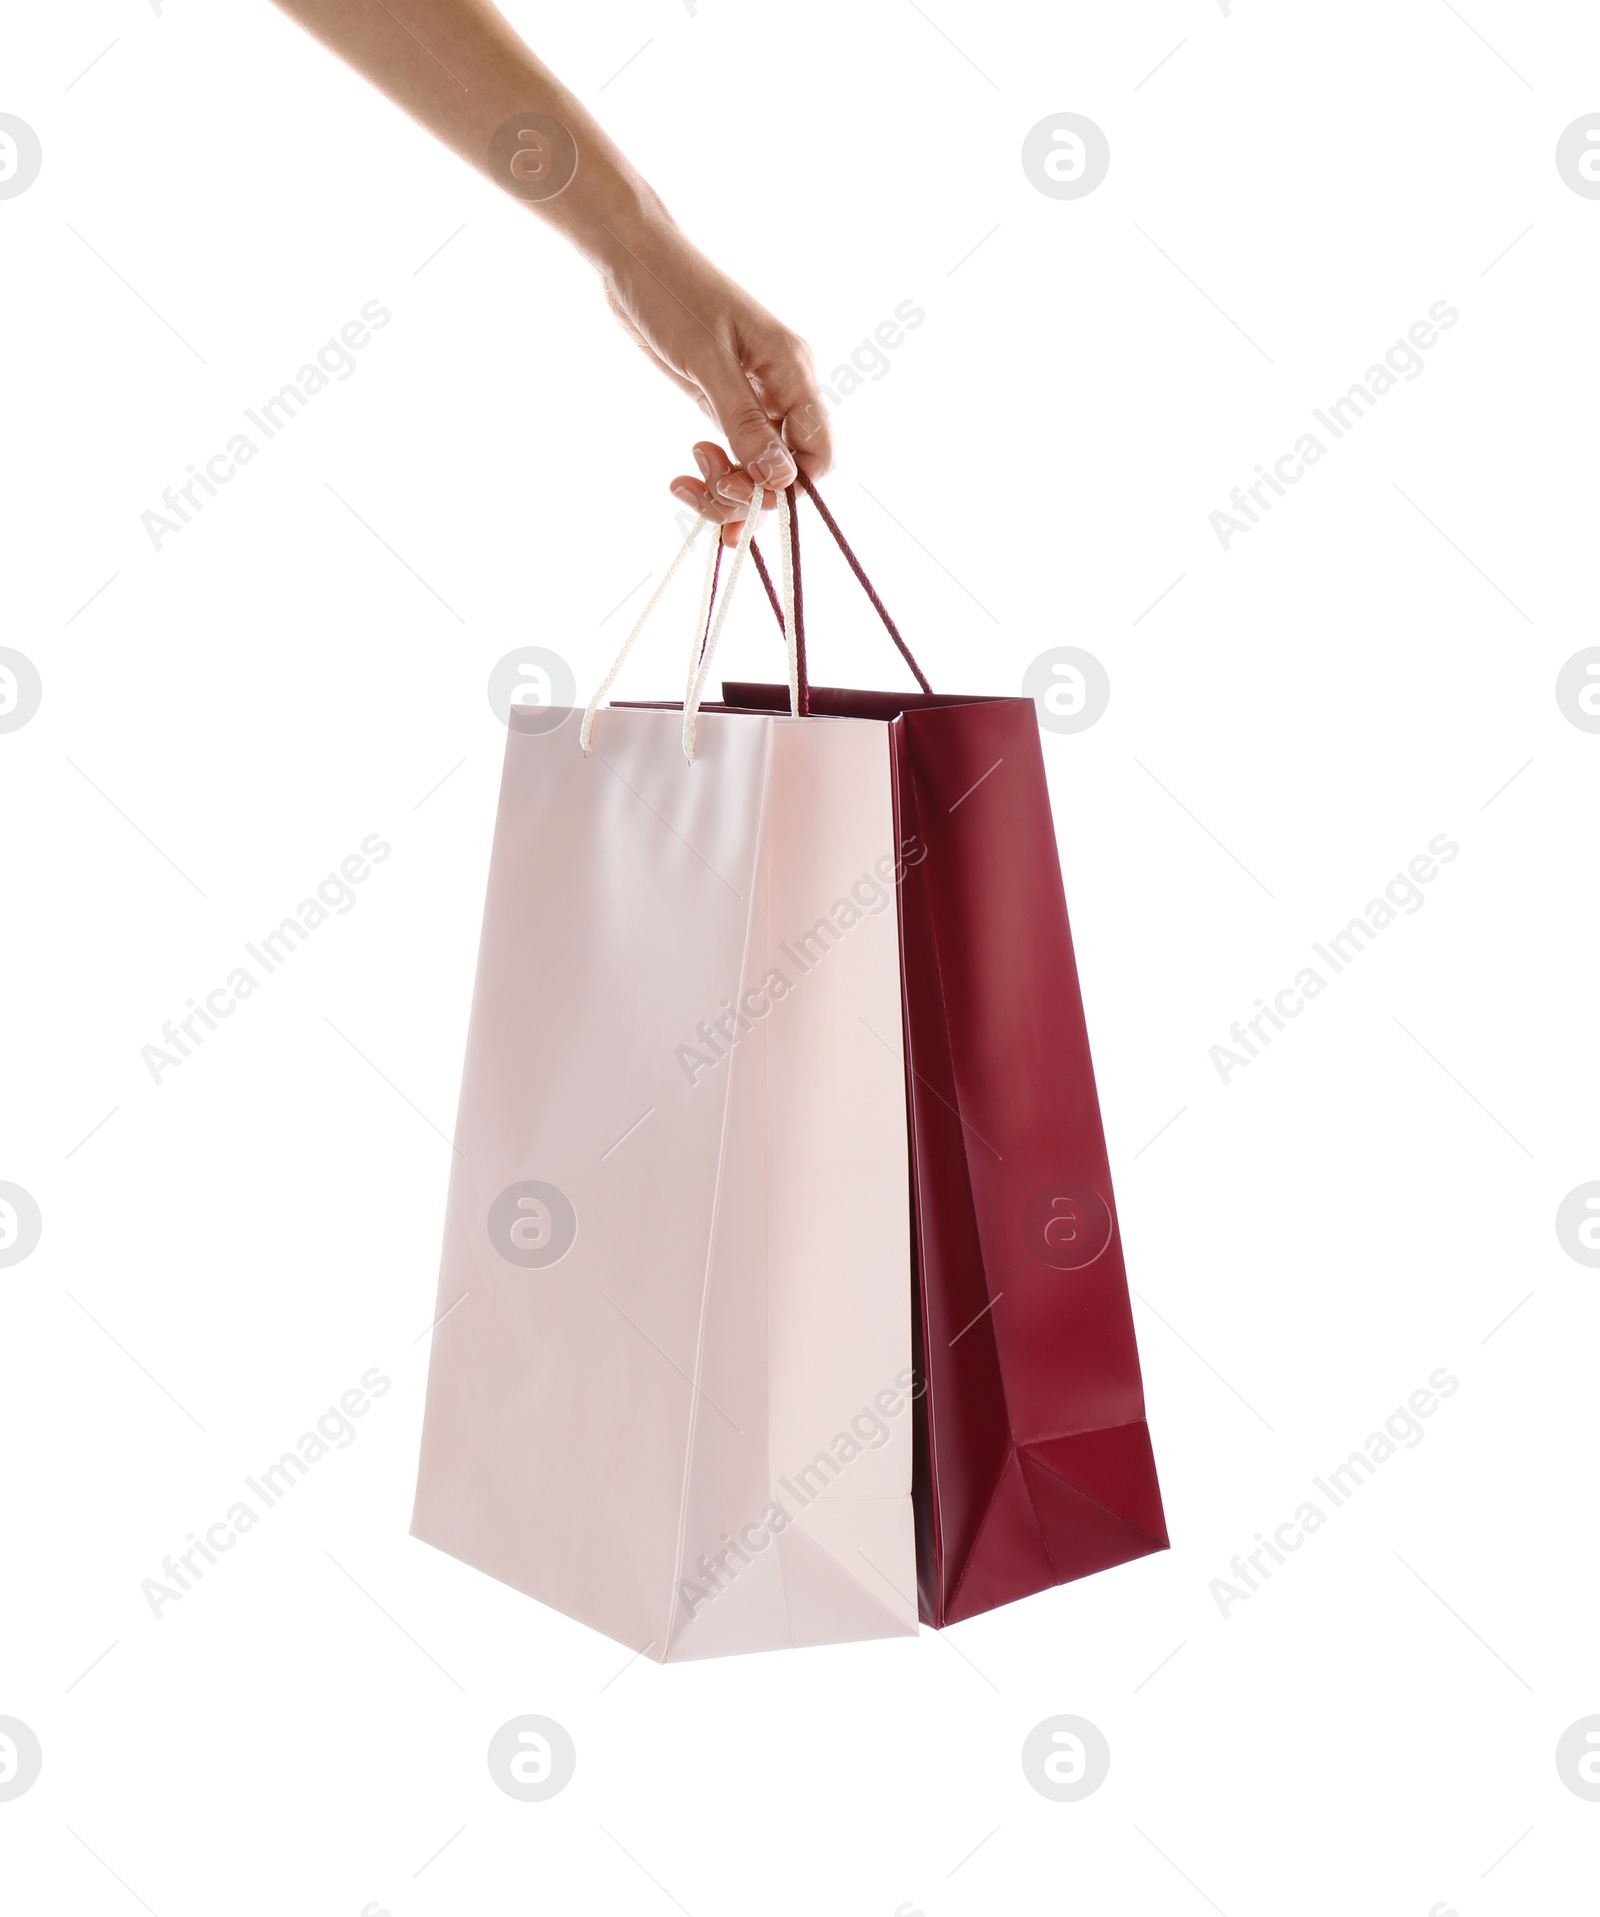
(1033, 1458)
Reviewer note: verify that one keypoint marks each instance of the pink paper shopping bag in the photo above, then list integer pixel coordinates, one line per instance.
(669, 1391)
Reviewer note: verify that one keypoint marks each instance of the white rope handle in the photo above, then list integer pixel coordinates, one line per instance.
(786, 558)
(586, 730)
(700, 662)
(708, 579)
(701, 668)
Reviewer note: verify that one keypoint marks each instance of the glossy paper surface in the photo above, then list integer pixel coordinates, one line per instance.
(691, 1431)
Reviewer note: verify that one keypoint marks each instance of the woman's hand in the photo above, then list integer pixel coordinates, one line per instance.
(740, 366)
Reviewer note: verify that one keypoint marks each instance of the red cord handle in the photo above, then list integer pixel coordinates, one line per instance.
(855, 565)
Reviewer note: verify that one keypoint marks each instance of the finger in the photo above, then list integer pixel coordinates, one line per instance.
(696, 493)
(751, 434)
(722, 493)
(729, 488)
(698, 496)
(733, 515)
(711, 459)
(715, 466)
(690, 493)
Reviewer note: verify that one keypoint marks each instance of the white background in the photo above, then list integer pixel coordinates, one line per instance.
(1375, 1729)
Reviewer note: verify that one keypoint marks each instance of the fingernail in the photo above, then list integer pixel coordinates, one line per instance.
(703, 461)
(681, 489)
(773, 467)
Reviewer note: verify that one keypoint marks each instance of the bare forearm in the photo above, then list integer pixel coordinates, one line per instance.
(458, 68)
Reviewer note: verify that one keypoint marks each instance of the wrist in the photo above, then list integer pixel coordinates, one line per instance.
(610, 213)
